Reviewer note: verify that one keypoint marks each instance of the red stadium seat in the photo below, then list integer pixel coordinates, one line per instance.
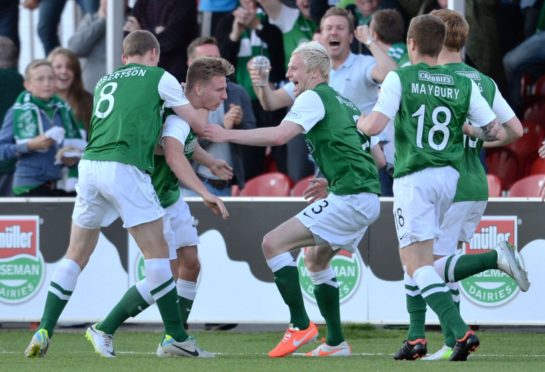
(528, 186)
(538, 166)
(268, 184)
(301, 186)
(536, 113)
(494, 185)
(525, 148)
(503, 163)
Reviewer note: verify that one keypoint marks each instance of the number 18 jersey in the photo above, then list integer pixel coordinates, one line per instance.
(428, 125)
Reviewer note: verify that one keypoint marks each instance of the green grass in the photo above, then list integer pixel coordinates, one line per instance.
(372, 348)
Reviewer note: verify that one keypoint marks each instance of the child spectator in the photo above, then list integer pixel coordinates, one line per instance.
(34, 130)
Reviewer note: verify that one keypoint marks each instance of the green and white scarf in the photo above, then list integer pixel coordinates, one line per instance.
(27, 124)
(27, 121)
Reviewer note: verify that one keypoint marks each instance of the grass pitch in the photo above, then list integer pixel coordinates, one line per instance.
(372, 348)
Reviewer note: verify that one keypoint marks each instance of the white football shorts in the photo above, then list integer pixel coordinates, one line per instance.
(178, 227)
(341, 220)
(108, 189)
(420, 202)
(459, 224)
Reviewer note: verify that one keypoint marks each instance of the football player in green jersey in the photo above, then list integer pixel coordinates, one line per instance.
(205, 89)
(327, 225)
(430, 105)
(114, 182)
(464, 214)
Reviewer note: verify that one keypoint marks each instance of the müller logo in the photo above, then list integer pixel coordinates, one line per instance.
(21, 263)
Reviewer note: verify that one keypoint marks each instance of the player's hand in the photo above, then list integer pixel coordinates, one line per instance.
(40, 143)
(232, 117)
(317, 189)
(216, 205)
(214, 133)
(363, 34)
(221, 169)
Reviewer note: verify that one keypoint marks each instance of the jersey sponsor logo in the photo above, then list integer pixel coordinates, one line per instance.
(21, 263)
(435, 78)
(348, 270)
(491, 288)
(473, 75)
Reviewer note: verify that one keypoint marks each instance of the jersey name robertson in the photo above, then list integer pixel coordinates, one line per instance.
(126, 121)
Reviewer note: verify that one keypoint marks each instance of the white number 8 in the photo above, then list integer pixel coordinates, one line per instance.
(106, 95)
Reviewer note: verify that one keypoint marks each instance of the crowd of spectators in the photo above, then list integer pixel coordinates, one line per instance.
(238, 31)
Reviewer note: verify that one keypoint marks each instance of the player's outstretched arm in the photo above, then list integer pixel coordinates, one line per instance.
(178, 163)
(270, 136)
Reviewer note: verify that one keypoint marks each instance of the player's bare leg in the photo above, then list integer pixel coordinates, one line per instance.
(276, 246)
(63, 281)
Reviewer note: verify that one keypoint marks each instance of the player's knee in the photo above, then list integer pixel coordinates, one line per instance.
(311, 263)
(193, 265)
(268, 245)
(79, 255)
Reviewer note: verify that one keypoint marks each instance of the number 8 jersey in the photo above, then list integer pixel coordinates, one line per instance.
(126, 121)
(430, 105)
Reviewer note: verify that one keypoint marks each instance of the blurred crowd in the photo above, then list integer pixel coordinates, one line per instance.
(46, 113)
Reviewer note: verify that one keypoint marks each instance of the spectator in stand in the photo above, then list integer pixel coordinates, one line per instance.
(388, 30)
(174, 23)
(69, 85)
(363, 10)
(242, 35)
(12, 85)
(9, 20)
(297, 27)
(527, 57)
(235, 113)
(34, 129)
(212, 11)
(50, 12)
(89, 43)
(295, 23)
